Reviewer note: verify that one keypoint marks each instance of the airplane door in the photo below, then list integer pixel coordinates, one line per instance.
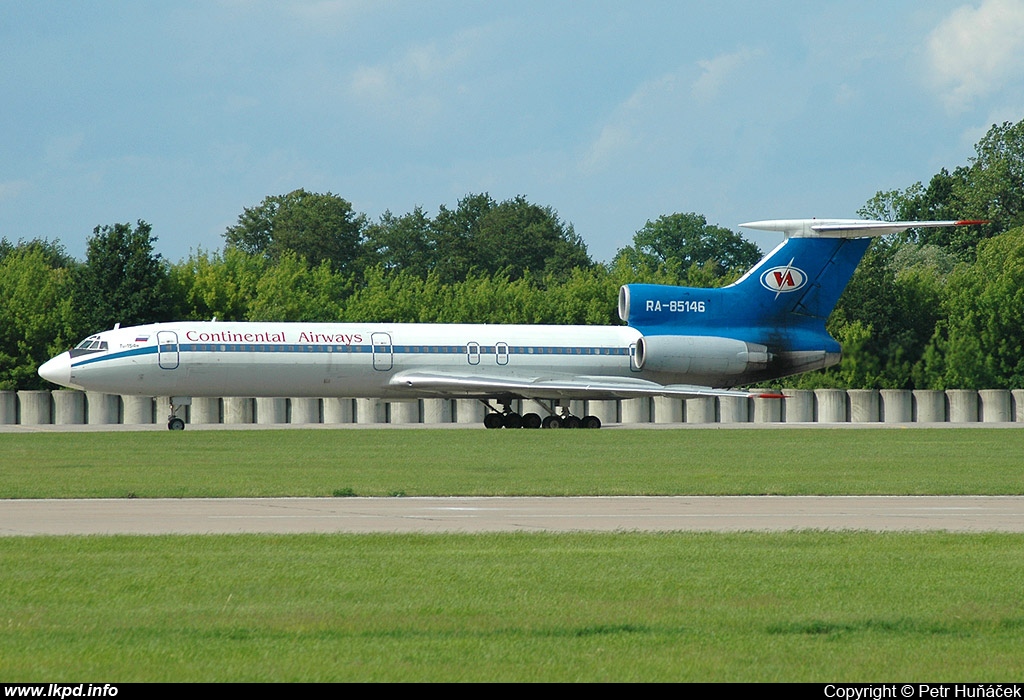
(167, 353)
(383, 352)
(501, 353)
(632, 358)
(473, 353)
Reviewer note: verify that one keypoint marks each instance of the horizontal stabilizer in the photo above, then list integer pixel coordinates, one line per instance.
(847, 228)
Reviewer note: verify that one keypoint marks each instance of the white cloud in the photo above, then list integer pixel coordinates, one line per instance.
(976, 51)
(614, 140)
(417, 82)
(716, 73)
(61, 150)
(329, 16)
(629, 124)
(11, 189)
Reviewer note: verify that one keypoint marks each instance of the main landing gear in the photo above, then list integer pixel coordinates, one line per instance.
(507, 418)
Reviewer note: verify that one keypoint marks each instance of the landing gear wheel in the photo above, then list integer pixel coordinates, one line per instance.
(175, 424)
(551, 422)
(571, 422)
(591, 422)
(493, 420)
(531, 421)
(512, 420)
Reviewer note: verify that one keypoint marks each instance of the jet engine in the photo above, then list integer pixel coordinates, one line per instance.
(699, 355)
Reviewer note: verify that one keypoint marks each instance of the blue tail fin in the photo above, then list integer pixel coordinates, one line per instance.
(778, 309)
(783, 301)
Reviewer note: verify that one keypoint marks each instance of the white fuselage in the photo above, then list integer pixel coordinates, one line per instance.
(335, 359)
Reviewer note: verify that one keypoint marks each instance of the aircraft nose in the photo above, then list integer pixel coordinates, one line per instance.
(57, 370)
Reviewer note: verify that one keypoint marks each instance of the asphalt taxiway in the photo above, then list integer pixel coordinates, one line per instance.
(516, 514)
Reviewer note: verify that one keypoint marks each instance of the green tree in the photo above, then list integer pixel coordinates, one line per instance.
(123, 280)
(514, 237)
(317, 227)
(517, 237)
(686, 242)
(982, 338)
(994, 186)
(402, 243)
(36, 318)
(217, 285)
(990, 187)
(292, 291)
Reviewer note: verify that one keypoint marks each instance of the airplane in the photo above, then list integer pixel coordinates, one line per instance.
(678, 342)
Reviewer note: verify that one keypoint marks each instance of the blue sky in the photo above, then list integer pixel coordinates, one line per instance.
(183, 113)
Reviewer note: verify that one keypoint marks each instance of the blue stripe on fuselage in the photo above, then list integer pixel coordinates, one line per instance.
(305, 348)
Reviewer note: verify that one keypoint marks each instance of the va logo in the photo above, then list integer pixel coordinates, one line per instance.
(783, 279)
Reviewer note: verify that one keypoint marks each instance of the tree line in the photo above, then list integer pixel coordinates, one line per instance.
(930, 308)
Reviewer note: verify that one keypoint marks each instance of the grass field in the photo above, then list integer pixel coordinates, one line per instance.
(525, 607)
(802, 606)
(485, 463)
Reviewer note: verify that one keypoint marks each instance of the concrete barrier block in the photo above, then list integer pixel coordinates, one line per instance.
(68, 407)
(271, 410)
(8, 407)
(338, 410)
(733, 409)
(864, 405)
(404, 412)
(963, 405)
(897, 405)
(700, 410)
(138, 410)
(35, 407)
(370, 411)
(205, 411)
(767, 410)
(438, 411)
(238, 410)
(304, 410)
(469, 411)
(1017, 409)
(929, 406)
(636, 410)
(995, 406)
(102, 409)
(668, 410)
(830, 405)
(798, 406)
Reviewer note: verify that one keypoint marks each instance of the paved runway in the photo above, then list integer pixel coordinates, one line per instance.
(534, 514)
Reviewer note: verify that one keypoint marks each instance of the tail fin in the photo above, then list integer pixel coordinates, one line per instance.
(783, 301)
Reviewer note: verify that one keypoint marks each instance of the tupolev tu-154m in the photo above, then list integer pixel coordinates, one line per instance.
(678, 342)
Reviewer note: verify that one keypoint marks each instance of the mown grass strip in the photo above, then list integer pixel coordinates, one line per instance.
(478, 462)
(594, 607)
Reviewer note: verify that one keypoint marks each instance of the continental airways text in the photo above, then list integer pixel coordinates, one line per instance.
(272, 337)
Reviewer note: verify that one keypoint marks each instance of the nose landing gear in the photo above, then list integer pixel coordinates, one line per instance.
(173, 421)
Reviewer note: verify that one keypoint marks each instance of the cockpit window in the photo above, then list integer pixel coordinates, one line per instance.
(90, 344)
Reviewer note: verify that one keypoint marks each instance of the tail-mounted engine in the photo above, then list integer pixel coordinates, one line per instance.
(699, 355)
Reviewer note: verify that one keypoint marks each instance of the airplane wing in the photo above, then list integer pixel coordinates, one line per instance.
(582, 387)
